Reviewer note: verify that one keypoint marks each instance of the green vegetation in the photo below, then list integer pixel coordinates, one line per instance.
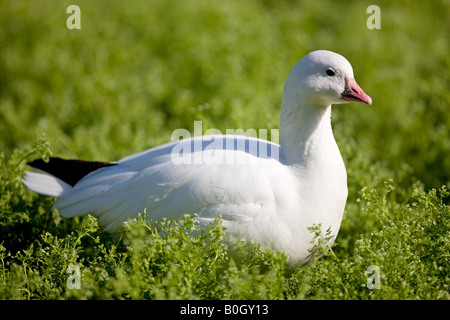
(137, 70)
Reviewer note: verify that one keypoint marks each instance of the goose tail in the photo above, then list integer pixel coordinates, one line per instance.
(46, 184)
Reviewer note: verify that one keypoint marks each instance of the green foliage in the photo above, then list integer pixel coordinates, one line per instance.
(410, 247)
(137, 70)
(177, 260)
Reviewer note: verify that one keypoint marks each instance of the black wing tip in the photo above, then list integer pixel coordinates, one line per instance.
(69, 171)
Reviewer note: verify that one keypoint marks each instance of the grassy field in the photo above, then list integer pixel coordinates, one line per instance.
(137, 70)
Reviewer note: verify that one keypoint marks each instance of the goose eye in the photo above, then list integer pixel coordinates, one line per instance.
(330, 72)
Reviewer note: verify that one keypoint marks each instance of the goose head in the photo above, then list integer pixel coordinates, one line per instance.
(322, 78)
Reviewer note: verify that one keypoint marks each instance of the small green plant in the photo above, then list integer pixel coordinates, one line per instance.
(321, 242)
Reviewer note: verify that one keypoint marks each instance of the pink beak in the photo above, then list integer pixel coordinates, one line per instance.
(353, 92)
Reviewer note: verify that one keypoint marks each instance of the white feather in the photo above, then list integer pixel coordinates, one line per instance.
(43, 183)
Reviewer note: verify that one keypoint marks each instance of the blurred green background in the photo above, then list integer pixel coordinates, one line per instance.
(137, 70)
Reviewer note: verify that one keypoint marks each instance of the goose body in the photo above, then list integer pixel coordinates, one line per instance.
(265, 192)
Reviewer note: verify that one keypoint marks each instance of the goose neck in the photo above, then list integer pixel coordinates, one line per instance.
(303, 129)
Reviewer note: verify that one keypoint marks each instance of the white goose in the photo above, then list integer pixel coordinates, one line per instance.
(270, 193)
